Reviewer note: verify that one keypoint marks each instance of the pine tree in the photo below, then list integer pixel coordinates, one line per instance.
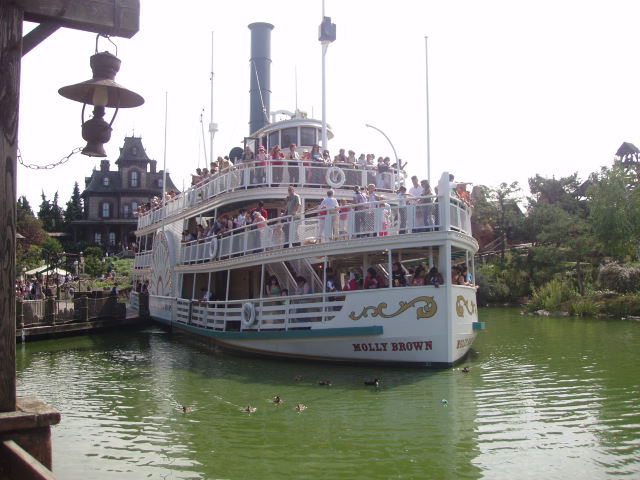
(23, 208)
(74, 209)
(44, 214)
(57, 214)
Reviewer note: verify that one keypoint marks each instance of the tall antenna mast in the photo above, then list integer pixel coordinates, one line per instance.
(426, 49)
(327, 34)
(295, 72)
(213, 127)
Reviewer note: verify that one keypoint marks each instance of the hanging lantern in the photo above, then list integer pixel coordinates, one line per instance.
(101, 91)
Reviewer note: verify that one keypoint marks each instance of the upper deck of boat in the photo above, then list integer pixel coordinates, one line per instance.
(390, 223)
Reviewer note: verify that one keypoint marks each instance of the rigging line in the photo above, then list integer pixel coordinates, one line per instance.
(264, 110)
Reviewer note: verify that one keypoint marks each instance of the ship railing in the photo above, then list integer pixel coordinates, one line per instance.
(382, 218)
(273, 313)
(142, 259)
(281, 173)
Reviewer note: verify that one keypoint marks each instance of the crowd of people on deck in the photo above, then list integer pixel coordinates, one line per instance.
(373, 279)
(363, 204)
(286, 162)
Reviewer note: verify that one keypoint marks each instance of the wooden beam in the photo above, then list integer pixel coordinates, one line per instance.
(119, 18)
(10, 58)
(18, 463)
(32, 39)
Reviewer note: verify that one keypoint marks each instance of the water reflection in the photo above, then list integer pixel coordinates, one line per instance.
(558, 396)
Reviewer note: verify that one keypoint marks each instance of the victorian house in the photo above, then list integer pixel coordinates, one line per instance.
(111, 198)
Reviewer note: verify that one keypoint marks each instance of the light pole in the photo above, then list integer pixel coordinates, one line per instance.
(392, 147)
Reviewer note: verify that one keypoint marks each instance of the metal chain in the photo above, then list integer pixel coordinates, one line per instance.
(51, 165)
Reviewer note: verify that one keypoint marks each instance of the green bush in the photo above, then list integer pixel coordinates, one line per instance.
(619, 278)
(623, 306)
(583, 307)
(550, 295)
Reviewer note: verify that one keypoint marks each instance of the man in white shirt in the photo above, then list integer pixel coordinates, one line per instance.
(416, 190)
(330, 206)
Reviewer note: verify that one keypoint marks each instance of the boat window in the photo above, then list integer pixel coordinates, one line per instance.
(288, 136)
(307, 136)
(274, 139)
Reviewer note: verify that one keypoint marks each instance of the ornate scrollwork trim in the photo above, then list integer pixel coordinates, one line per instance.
(460, 302)
(428, 310)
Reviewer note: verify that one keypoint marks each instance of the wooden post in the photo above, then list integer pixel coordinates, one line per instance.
(10, 56)
(19, 314)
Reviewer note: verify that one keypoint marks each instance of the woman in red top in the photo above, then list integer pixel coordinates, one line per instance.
(277, 170)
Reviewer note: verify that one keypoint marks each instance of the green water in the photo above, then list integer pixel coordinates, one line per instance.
(546, 398)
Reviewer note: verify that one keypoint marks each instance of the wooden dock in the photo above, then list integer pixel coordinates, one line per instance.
(50, 318)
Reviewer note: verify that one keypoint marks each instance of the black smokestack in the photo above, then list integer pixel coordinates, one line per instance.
(260, 67)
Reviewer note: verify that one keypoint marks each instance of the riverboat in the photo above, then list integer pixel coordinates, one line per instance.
(220, 287)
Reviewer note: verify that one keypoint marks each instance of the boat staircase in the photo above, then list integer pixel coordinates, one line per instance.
(302, 266)
(284, 275)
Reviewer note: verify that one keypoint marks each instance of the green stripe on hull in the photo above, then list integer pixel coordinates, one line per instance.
(279, 334)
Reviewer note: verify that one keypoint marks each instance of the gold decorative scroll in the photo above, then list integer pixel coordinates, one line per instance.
(428, 310)
(460, 301)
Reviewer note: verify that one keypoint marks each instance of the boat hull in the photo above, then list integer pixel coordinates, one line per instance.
(413, 326)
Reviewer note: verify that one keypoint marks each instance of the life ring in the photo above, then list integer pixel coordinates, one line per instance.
(248, 315)
(213, 247)
(335, 173)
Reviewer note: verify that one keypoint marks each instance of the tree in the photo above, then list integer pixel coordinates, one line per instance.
(50, 214)
(615, 210)
(44, 213)
(566, 237)
(499, 208)
(93, 266)
(23, 208)
(51, 247)
(552, 191)
(74, 209)
(57, 214)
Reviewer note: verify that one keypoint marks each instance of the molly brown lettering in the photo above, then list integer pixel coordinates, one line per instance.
(370, 347)
(395, 346)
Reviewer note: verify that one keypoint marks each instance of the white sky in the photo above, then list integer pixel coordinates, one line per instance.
(516, 87)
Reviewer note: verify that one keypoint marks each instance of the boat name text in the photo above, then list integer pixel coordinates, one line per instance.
(392, 346)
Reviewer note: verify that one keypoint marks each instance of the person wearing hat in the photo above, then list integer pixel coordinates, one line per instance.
(262, 159)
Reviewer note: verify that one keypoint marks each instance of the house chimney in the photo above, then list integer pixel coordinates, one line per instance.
(152, 166)
(104, 165)
(260, 76)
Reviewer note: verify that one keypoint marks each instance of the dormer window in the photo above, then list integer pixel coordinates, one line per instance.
(105, 181)
(160, 183)
(134, 151)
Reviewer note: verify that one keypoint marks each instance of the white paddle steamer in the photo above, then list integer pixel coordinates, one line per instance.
(329, 316)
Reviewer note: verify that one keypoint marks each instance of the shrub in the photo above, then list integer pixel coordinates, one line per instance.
(623, 306)
(619, 278)
(550, 295)
(583, 307)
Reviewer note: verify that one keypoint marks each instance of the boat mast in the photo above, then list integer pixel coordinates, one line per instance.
(164, 160)
(426, 49)
(213, 127)
(326, 35)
